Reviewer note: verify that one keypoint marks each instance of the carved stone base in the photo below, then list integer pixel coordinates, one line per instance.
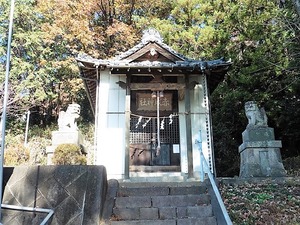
(258, 134)
(63, 137)
(261, 159)
(66, 137)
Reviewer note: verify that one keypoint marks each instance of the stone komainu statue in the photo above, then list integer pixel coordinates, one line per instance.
(68, 120)
(256, 116)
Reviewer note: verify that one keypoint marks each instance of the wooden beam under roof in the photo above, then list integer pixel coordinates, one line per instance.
(156, 86)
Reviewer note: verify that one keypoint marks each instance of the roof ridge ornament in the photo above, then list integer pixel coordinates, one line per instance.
(151, 35)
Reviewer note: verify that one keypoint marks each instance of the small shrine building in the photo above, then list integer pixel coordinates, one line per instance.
(151, 104)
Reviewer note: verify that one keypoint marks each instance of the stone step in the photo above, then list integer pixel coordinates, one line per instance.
(154, 169)
(131, 183)
(158, 191)
(163, 213)
(186, 221)
(161, 201)
(144, 222)
(157, 177)
(194, 221)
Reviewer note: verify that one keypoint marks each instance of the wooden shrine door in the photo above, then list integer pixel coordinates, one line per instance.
(148, 131)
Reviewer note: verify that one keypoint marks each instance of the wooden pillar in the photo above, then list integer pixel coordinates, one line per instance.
(187, 101)
(127, 128)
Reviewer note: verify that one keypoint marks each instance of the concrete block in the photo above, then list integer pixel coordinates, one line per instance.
(149, 213)
(181, 212)
(193, 190)
(199, 211)
(179, 200)
(194, 221)
(126, 213)
(133, 202)
(112, 189)
(167, 213)
(144, 222)
(143, 191)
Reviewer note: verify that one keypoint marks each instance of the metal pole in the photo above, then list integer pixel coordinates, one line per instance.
(31, 209)
(216, 191)
(205, 168)
(11, 16)
(26, 129)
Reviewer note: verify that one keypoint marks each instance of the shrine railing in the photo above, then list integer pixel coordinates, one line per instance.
(49, 212)
(217, 202)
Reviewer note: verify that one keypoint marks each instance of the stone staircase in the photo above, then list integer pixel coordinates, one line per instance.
(162, 203)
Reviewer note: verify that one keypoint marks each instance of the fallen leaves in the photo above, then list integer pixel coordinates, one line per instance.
(266, 202)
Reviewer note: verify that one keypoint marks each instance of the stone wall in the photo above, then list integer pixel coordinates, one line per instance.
(75, 193)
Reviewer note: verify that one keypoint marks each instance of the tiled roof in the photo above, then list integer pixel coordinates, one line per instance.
(137, 60)
(153, 36)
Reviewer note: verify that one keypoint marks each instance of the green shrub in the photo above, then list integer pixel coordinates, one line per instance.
(42, 132)
(68, 154)
(16, 153)
(37, 146)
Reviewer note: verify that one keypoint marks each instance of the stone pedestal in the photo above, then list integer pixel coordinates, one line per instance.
(63, 137)
(260, 154)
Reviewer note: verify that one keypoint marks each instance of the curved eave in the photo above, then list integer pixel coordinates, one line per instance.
(215, 71)
(90, 83)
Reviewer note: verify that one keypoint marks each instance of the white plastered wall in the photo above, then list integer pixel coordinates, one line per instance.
(200, 121)
(111, 125)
